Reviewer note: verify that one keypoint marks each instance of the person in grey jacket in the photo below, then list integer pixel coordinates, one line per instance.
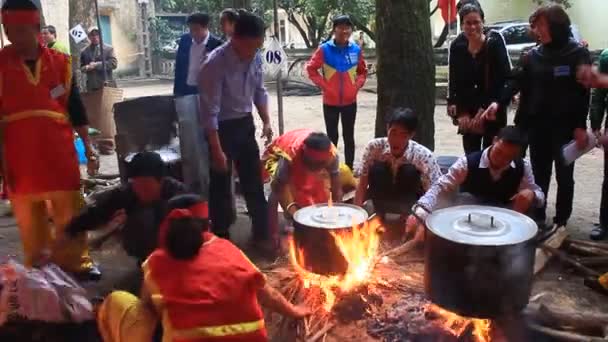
(91, 62)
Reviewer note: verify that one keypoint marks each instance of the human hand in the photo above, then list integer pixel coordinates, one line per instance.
(92, 163)
(43, 259)
(452, 111)
(581, 138)
(267, 133)
(586, 76)
(522, 201)
(219, 162)
(415, 228)
(300, 311)
(490, 112)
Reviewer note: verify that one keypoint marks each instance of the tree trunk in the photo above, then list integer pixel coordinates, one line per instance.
(81, 12)
(406, 71)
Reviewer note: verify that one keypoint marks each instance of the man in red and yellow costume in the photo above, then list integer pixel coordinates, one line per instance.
(201, 287)
(305, 169)
(40, 108)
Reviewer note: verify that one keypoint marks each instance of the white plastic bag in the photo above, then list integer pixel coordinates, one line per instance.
(47, 294)
(27, 295)
(73, 298)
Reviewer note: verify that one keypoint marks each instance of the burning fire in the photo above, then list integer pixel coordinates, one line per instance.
(359, 248)
(458, 325)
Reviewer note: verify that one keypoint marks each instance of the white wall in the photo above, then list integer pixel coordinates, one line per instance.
(56, 13)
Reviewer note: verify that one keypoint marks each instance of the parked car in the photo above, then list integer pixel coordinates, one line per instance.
(518, 37)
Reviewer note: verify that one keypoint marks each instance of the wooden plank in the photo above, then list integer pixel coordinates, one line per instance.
(555, 241)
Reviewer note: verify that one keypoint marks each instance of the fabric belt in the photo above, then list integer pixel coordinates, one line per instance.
(219, 330)
(35, 113)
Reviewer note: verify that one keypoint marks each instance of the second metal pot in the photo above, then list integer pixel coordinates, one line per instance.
(315, 247)
(479, 260)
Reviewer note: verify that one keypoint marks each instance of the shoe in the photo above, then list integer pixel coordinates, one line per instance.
(92, 274)
(598, 233)
(594, 284)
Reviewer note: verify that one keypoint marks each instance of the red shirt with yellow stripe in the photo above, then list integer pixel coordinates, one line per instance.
(38, 149)
(212, 297)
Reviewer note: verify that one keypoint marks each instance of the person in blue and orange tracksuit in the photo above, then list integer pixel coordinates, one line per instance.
(202, 286)
(344, 73)
(40, 107)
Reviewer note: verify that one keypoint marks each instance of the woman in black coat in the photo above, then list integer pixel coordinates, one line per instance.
(479, 66)
(554, 106)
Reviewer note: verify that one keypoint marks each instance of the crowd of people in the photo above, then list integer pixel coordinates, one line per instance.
(171, 231)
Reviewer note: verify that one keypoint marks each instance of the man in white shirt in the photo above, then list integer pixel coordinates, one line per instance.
(395, 171)
(496, 176)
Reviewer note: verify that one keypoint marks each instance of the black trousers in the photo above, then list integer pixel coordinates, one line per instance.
(604, 202)
(394, 194)
(238, 142)
(545, 150)
(332, 115)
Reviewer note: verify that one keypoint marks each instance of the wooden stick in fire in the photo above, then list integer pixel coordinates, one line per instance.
(565, 258)
(328, 326)
(594, 261)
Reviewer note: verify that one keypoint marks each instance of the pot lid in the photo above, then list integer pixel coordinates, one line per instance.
(481, 225)
(339, 215)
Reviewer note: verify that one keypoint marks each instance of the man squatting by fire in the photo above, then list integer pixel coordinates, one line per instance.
(305, 169)
(40, 106)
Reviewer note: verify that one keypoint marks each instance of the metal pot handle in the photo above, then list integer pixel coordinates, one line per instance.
(416, 206)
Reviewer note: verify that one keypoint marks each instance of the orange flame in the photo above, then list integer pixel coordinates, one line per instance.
(359, 248)
(457, 325)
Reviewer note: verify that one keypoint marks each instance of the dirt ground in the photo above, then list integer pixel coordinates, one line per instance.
(120, 271)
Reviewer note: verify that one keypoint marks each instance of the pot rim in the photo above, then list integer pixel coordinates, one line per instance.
(304, 216)
(512, 228)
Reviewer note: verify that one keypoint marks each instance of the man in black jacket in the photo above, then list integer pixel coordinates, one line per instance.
(192, 49)
(141, 203)
(556, 104)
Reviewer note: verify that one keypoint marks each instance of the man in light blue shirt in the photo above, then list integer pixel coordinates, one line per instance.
(232, 85)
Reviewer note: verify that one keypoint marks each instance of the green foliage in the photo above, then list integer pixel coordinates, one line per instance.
(312, 17)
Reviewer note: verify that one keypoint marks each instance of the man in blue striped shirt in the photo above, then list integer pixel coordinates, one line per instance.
(233, 83)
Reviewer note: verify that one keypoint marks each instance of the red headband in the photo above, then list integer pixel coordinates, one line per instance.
(20, 17)
(318, 155)
(199, 210)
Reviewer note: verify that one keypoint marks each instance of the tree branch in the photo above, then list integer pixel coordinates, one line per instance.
(363, 28)
(292, 19)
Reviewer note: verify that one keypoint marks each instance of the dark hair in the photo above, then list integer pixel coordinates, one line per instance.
(52, 30)
(146, 164)
(249, 25)
(199, 19)
(229, 14)
(463, 3)
(184, 238)
(403, 117)
(512, 135)
(342, 20)
(557, 19)
(468, 9)
(19, 5)
(318, 141)
(185, 201)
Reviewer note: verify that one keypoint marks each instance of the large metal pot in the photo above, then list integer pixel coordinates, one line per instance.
(479, 260)
(316, 249)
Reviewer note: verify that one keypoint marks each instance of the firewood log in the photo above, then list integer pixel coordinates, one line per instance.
(555, 241)
(575, 319)
(565, 258)
(600, 245)
(586, 250)
(563, 335)
(594, 261)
